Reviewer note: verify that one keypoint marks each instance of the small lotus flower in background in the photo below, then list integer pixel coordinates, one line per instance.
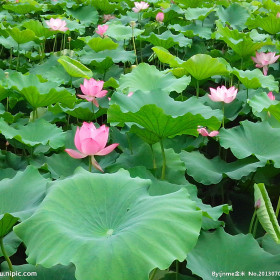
(57, 24)
(107, 18)
(91, 90)
(204, 132)
(130, 94)
(101, 29)
(139, 6)
(262, 60)
(160, 17)
(222, 94)
(91, 141)
(271, 96)
(278, 15)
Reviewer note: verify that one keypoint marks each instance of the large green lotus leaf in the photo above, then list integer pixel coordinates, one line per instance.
(193, 29)
(203, 66)
(235, 15)
(190, 3)
(87, 15)
(7, 221)
(216, 168)
(269, 245)
(271, 5)
(39, 272)
(197, 13)
(7, 173)
(118, 55)
(40, 94)
(38, 28)
(167, 39)
(11, 160)
(146, 77)
(230, 254)
(256, 79)
(265, 212)
(258, 139)
(128, 232)
(105, 6)
(241, 43)
(75, 68)
(21, 37)
(11, 243)
(166, 57)
(21, 195)
(100, 44)
(270, 23)
(23, 8)
(121, 32)
(35, 133)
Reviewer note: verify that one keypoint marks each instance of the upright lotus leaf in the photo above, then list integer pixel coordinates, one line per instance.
(216, 168)
(235, 15)
(238, 256)
(75, 68)
(203, 66)
(7, 221)
(265, 212)
(11, 242)
(258, 139)
(193, 29)
(48, 134)
(146, 77)
(21, 195)
(120, 32)
(256, 79)
(241, 43)
(105, 6)
(87, 15)
(21, 36)
(270, 23)
(100, 44)
(39, 272)
(38, 28)
(38, 93)
(128, 232)
(23, 8)
(197, 13)
(167, 39)
(166, 57)
(271, 5)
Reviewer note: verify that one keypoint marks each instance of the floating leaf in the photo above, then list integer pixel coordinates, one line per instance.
(103, 229)
(100, 44)
(48, 134)
(251, 258)
(75, 68)
(23, 36)
(216, 168)
(23, 8)
(197, 13)
(258, 139)
(265, 213)
(21, 195)
(203, 66)
(146, 77)
(256, 79)
(120, 32)
(193, 29)
(270, 23)
(166, 57)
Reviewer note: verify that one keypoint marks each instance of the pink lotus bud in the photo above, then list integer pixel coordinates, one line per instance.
(107, 18)
(91, 141)
(91, 90)
(57, 24)
(262, 60)
(222, 94)
(204, 132)
(101, 29)
(160, 17)
(258, 204)
(271, 96)
(278, 15)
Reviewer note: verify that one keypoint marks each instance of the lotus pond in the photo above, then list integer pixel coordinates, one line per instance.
(139, 140)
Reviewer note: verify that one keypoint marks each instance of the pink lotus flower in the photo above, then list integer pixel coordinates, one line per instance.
(204, 132)
(160, 17)
(271, 96)
(101, 29)
(222, 94)
(139, 6)
(264, 59)
(57, 24)
(91, 90)
(108, 17)
(91, 141)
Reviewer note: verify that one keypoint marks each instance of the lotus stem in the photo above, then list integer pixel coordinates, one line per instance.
(255, 227)
(17, 57)
(134, 46)
(197, 88)
(153, 157)
(252, 221)
(6, 257)
(163, 161)
(277, 208)
(89, 164)
(153, 273)
(54, 44)
(223, 108)
(177, 270)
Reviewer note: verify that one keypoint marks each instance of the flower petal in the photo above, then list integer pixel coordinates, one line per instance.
(107, 150)
(74, 154)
